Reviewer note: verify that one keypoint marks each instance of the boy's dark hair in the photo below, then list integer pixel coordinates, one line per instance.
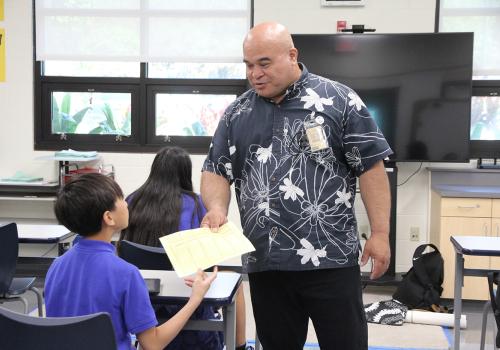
(82, 202)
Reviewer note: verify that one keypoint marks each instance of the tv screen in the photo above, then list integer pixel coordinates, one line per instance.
(416, 86)
(485, 122)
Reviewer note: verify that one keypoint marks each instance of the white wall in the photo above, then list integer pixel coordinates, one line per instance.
(300, 16)
(386, 16)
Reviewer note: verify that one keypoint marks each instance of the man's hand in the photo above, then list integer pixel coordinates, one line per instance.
(377, 248)
(213, 219)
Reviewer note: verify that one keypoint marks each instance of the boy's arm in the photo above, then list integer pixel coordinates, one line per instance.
(159, 337)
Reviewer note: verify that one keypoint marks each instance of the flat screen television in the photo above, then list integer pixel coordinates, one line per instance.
(416, 86)
(485, 122)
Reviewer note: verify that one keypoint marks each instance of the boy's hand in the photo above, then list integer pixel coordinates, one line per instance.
(201, 283)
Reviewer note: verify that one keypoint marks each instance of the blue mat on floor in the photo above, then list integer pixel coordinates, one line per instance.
(311, 346)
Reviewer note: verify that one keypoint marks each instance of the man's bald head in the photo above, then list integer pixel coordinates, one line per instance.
(273, 33)
(271, 60)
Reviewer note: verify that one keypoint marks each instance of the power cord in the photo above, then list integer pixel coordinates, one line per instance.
(413, 174)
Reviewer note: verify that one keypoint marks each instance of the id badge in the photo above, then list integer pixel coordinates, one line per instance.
(315, 135)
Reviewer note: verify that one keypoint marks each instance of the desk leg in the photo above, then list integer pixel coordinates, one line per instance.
(229, 313)
(457, 300)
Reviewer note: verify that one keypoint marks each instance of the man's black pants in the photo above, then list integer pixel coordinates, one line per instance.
(283, 302)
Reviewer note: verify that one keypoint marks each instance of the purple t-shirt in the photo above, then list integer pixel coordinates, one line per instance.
(187, 220)
(90, 278)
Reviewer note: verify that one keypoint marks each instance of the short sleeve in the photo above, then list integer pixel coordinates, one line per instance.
(138, 314)
(218, 160)
(364, 144)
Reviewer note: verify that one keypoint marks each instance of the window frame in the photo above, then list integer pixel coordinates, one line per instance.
(143, 109)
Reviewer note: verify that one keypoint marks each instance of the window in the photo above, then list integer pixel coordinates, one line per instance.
(482, 17)
(136, 75)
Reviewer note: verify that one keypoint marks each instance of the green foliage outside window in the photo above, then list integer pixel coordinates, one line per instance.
(91, 113)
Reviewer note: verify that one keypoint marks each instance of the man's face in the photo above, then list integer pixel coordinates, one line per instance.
(269, 70)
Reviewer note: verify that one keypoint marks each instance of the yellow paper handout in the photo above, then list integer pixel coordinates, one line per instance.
(201, 248)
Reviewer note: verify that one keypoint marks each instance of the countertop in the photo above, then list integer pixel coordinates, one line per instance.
(467, 191)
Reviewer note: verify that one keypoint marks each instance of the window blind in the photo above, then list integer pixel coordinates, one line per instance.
(189, 31)
(483, 18)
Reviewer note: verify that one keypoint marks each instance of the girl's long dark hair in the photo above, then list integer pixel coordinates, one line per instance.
(155, 207)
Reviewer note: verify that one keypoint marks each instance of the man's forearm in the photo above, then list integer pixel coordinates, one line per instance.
(376, 195)
(215, 191)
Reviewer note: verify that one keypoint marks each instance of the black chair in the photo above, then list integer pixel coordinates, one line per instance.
(144, 257)
(18, 331)
(12, 289)
(494, 305)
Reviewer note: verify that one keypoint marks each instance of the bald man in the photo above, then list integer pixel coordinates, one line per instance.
(293, 145)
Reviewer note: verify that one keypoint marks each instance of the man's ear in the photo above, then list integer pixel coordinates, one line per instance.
(107, 218)
(293, 54)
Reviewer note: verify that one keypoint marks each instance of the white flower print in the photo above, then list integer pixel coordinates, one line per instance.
(291, 191)
(232, 149)
(354, 158)
(344, 197)
(309, 253)
(355, 100)
(229, 170)
(263, 154)
(272, 237)
(313, 99)
(264, 206)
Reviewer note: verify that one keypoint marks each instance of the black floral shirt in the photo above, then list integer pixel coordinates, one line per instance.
(297, 206)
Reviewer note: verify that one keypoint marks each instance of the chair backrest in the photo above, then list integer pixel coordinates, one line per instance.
(144, 257)
(18, 331)
(9, 249)
(494, 279)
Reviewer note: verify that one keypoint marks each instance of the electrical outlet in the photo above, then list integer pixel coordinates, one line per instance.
(414, 233)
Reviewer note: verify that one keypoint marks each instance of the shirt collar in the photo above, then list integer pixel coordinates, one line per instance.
(295, 89)
(93, 245)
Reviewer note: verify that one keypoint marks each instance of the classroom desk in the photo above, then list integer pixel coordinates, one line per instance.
(44, 234)
(474, 246)
(222, 293)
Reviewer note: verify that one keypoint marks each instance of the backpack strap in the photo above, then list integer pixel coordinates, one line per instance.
(420, 250)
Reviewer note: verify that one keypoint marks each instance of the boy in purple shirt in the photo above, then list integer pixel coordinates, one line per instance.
(90, 277)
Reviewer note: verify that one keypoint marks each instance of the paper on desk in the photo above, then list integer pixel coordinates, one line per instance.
(201, 248)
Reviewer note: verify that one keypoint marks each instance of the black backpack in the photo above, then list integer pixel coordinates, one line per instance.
(421, 286)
